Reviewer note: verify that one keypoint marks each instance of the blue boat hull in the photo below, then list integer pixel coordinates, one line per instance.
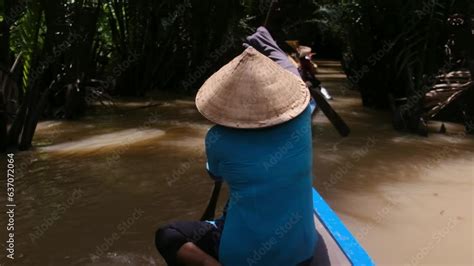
(342, 246)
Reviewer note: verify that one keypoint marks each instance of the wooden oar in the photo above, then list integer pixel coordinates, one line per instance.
(332, 115)
(335, 119)
(269, 12)
(210, 211)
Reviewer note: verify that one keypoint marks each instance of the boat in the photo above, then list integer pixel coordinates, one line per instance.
(343, 248)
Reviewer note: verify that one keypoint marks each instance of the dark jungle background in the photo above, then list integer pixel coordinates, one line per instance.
(59, 57)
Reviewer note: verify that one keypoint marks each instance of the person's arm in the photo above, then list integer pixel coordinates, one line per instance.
(212, 164)
(212, 167)
(212, 153)
(263, 42)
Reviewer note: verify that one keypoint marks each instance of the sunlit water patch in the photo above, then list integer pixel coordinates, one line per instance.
(106, 141)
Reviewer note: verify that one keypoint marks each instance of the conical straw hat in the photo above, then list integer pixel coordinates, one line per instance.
(252, 91)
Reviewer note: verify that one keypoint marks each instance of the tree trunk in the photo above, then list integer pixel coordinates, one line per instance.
(5, 35)
(29, 125)
(4, 60)
(3, 119)
(17, 125)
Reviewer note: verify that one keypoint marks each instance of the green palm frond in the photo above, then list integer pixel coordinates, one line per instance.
(27, 38)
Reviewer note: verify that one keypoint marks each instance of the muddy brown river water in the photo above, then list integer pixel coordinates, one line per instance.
(94, 191)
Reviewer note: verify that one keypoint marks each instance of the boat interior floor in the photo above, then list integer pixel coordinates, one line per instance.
(335, 256)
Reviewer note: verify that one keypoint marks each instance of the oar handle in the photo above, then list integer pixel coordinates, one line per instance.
(210, 211)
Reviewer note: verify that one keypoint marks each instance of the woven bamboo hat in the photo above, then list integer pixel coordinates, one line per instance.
(250, 92)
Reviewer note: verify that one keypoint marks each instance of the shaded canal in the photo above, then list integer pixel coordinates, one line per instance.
(94, 191)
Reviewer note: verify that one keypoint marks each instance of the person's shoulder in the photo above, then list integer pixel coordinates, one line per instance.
(216, 130)
(303, 118)
(214, 135)
(307, 110)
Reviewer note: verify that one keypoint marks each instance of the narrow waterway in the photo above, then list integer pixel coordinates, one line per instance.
(94, 191)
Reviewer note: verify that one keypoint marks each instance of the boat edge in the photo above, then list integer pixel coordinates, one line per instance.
(355, 253)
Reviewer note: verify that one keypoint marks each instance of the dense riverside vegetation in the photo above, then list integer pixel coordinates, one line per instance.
(58, 56)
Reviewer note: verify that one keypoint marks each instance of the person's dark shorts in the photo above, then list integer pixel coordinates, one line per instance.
(170, 238)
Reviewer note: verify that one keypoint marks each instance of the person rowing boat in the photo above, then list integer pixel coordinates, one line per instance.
(308, 70)
(261, 146)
